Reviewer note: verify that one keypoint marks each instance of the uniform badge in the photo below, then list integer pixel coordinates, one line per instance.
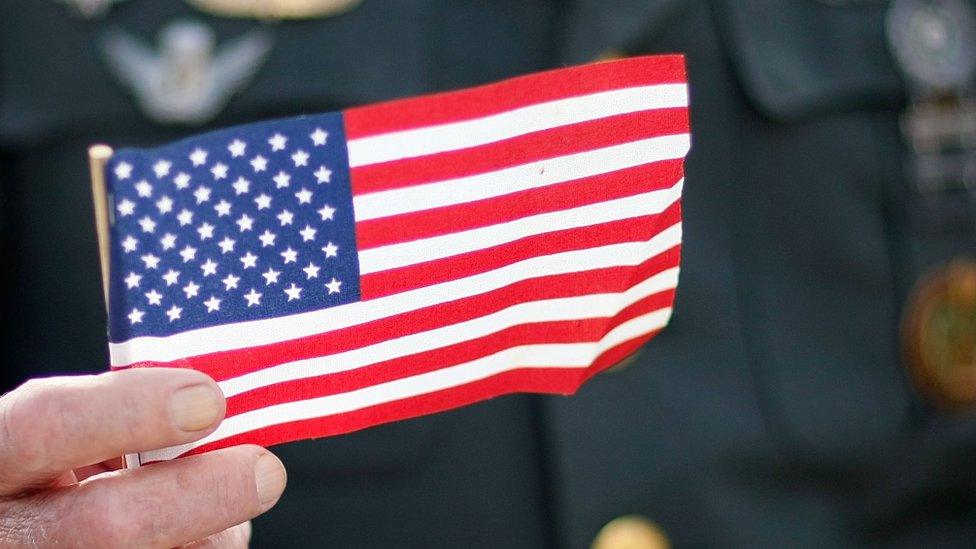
(188, 80)
(934, 42)
(91, 8)
(939, 334)
(275, 9)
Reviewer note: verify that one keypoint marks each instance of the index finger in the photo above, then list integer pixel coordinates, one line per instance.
(48, 426)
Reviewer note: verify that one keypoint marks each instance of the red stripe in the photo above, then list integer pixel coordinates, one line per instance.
(542, 145)
(511, 94)
(227, 364)
(419, 275)
(406, 227)
(526, 380)
(569, 331)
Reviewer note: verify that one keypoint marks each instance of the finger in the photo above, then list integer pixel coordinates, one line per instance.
(162, 505)
(237, 537)
(48, 426)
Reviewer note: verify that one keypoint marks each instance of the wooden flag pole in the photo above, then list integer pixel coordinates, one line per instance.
(98, 157)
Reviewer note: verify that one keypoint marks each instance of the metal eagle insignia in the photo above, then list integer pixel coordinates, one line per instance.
(188, 80)
(939, 332)
(275, 9)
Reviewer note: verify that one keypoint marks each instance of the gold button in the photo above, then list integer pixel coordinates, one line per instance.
(631, 532)
(939, 335)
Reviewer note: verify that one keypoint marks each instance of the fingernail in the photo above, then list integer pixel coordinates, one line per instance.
(269, 474)
(195, 407)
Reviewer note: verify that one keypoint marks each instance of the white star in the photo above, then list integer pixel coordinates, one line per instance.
(206, 230)
(202, 194)
(259, 163)
(198, 157)
(209, 268)
(281, 180)
(304, 196)
(300, 158)
(219, 171)
(154, 297)
(135, 316)
(150, 260)
(249, 260)
(270, 276)
(253, 298)
(230, 281)
(227, 245)
(319, 136)
(263, 201)
(327, 212)
(333, 286)
(147, 224)
(130, 244)
(162, 168)
(294, 292)
(126, 207)
(185, 217)
(241, 186)
(222, 208)
(213, 304)
(285, 217)
(189, 253)
(164, 205)
(308, 233)
(171, 277)
(191, 289)
(144, 188)
(182, 180)
(132, 281)
(123, 170)
(312, 271)
(277, 142)
(174, 313)
(267, 238)
(330, 249)
(236, 148)
(245, 223)
(323, 174)
(289, 255)
(168, 241)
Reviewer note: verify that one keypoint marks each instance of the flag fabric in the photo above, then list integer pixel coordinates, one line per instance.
(338, 271)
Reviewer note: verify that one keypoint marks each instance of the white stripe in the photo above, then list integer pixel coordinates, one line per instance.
(519, 178)
(533, 118)
(404, 254)
(569, 355)
(273, 330)
(548, 310)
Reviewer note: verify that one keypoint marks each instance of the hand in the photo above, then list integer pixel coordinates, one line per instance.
(60, 436)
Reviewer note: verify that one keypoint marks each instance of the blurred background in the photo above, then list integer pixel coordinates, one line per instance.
(816, 384)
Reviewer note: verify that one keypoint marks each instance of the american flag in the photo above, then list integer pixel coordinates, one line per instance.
(342, 270)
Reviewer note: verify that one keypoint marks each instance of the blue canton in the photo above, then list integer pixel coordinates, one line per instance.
(241, 224)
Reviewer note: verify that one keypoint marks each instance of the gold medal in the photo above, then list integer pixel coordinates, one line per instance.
(939, 332)
(275, 9)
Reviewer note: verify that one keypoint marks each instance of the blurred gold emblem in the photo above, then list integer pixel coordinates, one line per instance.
(275, 9)
(939, 332)
(630, 532)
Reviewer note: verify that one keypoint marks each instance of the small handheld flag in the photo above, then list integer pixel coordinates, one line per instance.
(342, 270)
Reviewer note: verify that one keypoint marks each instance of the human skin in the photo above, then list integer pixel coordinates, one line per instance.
(60, 481)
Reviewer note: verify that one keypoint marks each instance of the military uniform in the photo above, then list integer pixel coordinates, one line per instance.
(776, 410)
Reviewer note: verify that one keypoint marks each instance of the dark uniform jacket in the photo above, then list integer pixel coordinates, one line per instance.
(774, 411)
